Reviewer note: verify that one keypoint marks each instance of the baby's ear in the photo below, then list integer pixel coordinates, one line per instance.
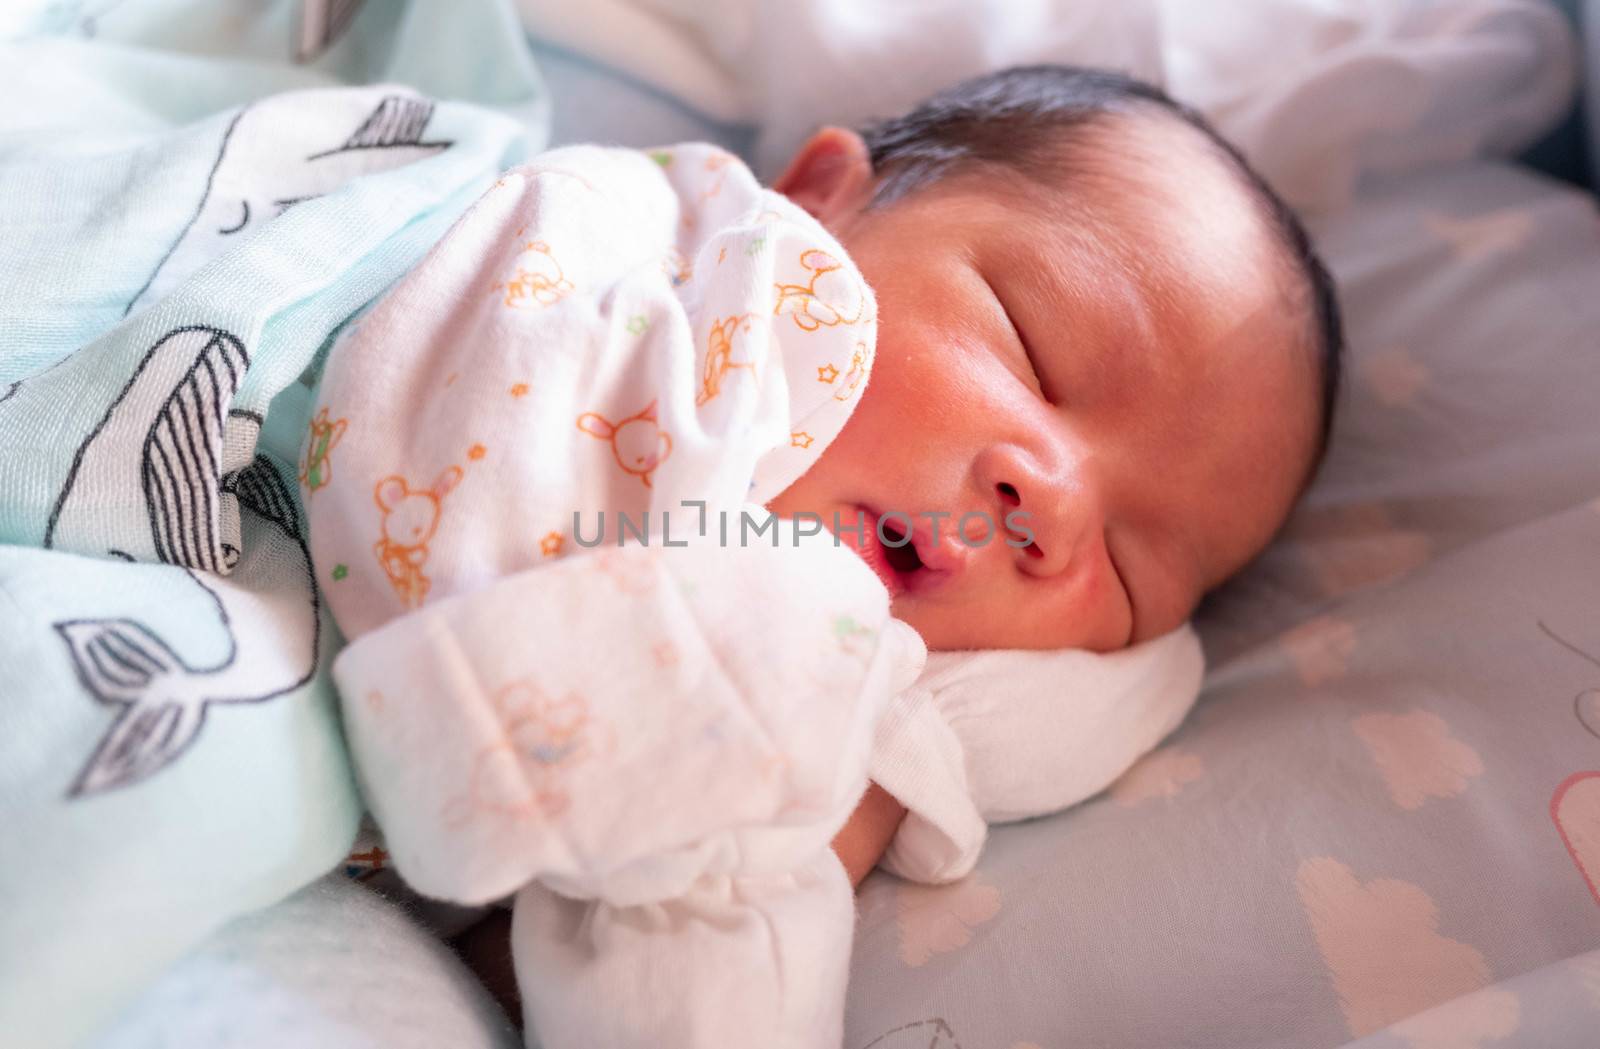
(830, 176)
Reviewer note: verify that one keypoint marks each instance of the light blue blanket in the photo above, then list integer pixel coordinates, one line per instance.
(178, 241)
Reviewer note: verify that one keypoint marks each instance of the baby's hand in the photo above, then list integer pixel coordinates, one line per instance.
(862, 841)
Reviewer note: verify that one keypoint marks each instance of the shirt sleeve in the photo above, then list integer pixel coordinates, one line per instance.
(607, 343)
(918, 759)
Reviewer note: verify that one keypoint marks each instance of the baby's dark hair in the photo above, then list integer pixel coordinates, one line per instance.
(1016, 117)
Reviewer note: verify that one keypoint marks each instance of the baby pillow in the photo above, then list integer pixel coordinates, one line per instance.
(788, 68)
(1317, 93)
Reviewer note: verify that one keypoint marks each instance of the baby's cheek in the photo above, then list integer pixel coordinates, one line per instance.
(1090, 615)
(1095, 613)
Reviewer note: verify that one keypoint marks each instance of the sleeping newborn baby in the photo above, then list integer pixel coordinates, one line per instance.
(651, 489)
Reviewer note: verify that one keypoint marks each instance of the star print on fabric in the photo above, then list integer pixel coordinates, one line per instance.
(637, 325)
(827, 373)
(723, 253)
(550, 545)
(662, 158)
(451, 379)
(476, 452)
(800, 439)
(339, 572)
(755, 246)
(519, 390)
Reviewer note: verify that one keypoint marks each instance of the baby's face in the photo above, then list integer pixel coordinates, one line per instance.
(1139, 382)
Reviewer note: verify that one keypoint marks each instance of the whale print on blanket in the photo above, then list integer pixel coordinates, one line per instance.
(164, 699)
(286, 149)
(147, 483)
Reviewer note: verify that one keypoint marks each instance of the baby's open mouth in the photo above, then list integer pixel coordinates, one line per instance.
(892, 548)
(899, 549)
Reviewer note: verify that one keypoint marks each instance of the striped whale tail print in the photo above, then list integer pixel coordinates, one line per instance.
(146, 484)
(272, 621)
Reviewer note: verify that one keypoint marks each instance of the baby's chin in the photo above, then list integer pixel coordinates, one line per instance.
(938, 633)
(967, 626)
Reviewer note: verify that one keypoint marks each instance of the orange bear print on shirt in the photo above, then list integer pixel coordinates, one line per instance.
(715, 172)
(854, 374)
(637, 443)
(719, 355)
(716, 166)
(828, 298)
(410, 517)
(523, 776)
(537, 279)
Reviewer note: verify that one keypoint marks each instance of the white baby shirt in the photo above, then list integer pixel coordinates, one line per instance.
(651, 744)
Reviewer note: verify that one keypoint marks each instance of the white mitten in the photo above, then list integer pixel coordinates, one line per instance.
(996, 736)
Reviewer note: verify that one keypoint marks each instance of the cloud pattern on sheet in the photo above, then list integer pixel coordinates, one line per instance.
(1320, 649)
(937, 919)
(1347, 548)
(1417, 756)
(1162, 773)
(1381, 943)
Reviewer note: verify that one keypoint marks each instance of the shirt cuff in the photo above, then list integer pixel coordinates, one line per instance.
(918, 759)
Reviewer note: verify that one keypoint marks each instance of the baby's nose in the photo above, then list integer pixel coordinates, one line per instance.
(1045, 512)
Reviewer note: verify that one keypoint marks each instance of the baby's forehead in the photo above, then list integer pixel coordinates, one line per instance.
(1156, 204)
(1144, 239)
(1154, 187)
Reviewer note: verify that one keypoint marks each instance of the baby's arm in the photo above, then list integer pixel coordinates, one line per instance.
(861, 842)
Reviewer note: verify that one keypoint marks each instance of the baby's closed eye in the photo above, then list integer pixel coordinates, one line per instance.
(1016, 336)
